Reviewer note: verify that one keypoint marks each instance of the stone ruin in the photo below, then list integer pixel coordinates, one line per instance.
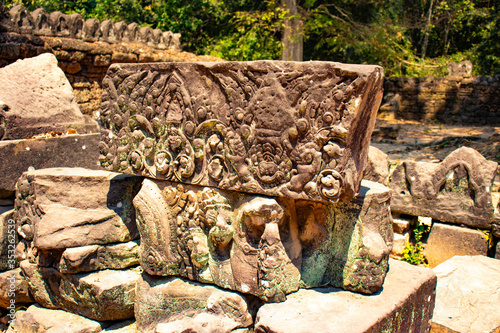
(235, 187)
(57, 24)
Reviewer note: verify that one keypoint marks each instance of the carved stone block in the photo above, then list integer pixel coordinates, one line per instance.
(101, 295)
(263, 246)
(98, 257)
(298, 130)
(91, 30)
(457, 190)
(22, 22)
(163, 301)
(42, 22)
(69, 207)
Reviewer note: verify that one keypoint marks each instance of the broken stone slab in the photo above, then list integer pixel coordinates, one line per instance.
(377, 168)
(267, 247)
(99, 257)
(18, 156)
(457, 190)
(102, 295)
(467, 295)
(291, 129)
(447, 241)
(36, 97)
(162, 300)
(36, 319)
(14, 289)
(405, 304)
(59, 208)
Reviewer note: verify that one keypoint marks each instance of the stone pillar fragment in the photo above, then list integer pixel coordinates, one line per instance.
(286, 129)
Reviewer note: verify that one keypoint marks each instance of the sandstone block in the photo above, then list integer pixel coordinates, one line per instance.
(400, 241)
(17, 156)
(457, 190)
(291, 129)
(161, 300)
(69, 207)
(98, 257)
(263, 246)
(400, 225)
(37, 99)
(37, 319)
(102, 295)
(446, 241)
(467, 295)
(377, 168)
(13, 286)
(405, 304)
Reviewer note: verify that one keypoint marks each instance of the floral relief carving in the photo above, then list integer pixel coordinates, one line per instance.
(274, 128)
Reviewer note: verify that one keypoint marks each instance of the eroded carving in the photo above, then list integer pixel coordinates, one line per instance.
(108, 32)
(263, 246)
(22, 21)
(60, 24)
(457, 190)
(41, 22)
(277, 128)
(91, 31)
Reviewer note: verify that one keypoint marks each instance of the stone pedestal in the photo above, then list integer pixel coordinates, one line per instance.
(404, 304)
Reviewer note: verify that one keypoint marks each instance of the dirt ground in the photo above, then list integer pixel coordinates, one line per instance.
(431, 142)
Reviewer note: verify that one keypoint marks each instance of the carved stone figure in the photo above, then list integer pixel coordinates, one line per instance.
(42, 23)
(297, 130)
(131, 33)
(120, 30)
(22, 21)
(145, 35)
(457, 190)
(60, 24)
(263, 246)
(75, 25)
(91, 31)
(108, 32)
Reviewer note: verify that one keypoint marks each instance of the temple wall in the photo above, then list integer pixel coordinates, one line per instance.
(454, 100)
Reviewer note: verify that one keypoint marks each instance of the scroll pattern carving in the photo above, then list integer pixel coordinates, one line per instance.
(275, 128)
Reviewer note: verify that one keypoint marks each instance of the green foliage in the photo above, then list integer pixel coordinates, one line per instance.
(411, 38)
(414, 253)
(254, 35)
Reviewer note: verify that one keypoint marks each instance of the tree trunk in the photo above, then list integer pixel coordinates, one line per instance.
(293, 33)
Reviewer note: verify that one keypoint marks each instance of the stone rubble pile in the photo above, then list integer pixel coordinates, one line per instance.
(253, 216)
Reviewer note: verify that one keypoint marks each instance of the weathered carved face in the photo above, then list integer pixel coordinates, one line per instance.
(258, 257)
